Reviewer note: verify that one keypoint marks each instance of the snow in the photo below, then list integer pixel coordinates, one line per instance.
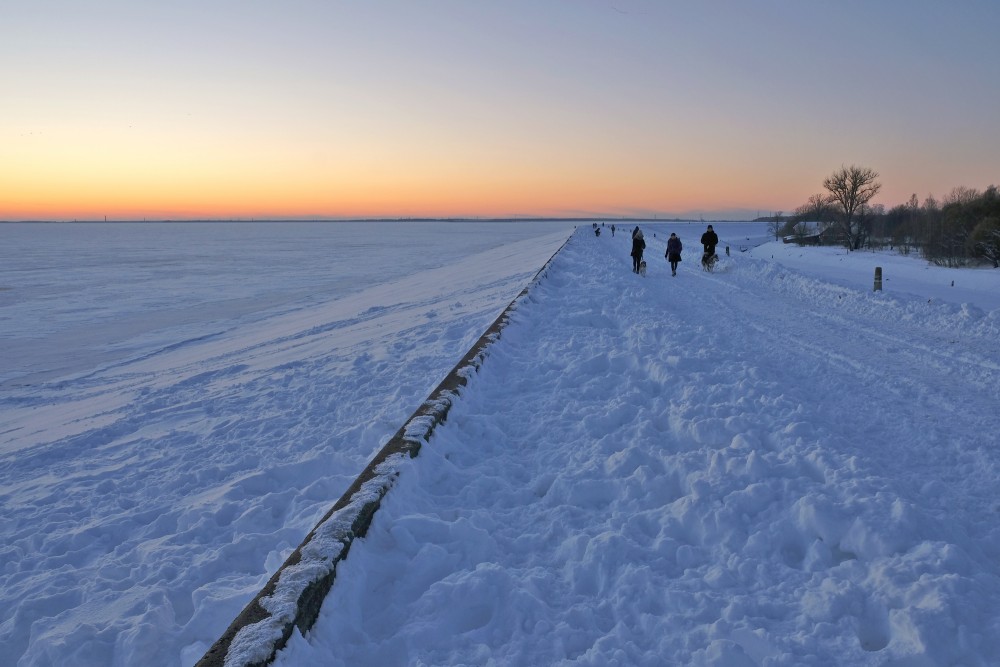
(768, 465)
(976, 288)
(180, 404)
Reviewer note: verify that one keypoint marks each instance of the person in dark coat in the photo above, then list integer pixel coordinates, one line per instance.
(709, 240)
(638, 245)
(673, 255)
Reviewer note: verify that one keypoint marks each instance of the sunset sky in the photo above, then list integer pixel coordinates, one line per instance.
(184, 109)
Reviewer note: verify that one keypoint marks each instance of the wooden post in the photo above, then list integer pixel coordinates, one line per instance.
(878, 278)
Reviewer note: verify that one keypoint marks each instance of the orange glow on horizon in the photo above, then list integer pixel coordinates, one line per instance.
(246, 200)
(157, 183)
(189, 172)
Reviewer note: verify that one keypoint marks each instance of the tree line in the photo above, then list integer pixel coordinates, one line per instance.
(961, 229)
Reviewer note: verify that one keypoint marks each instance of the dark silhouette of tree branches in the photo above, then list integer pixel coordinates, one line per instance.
(963, 227)
(851, 188)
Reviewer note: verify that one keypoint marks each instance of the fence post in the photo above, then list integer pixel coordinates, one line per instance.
(878, 279)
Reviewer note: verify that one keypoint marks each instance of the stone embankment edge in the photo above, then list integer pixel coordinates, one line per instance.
(295, 593)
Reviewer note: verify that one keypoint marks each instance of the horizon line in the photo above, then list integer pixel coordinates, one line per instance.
(518, 218)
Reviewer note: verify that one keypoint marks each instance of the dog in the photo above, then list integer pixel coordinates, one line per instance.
(642, 268)
(708, 261)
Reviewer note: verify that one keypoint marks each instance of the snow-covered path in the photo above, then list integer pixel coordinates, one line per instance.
(749, 467)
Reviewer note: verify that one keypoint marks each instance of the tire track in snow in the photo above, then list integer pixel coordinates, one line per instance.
(899, 383)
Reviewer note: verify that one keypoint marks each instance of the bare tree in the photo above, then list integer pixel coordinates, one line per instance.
(777, 221)
(817, 209)
(961, 195)
(873, 223)
(986, 240)
(851, 188)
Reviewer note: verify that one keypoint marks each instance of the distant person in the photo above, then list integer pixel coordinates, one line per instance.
(638, 245)
(708, 241)
(673, 254)
(612, 230)
(597, 231)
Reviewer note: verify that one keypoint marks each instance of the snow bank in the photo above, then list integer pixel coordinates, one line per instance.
(714, 469)
(293, 596)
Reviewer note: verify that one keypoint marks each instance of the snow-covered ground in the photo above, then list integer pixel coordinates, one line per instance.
(179, 405)
(750, 467)
(767, 465)
(977, 289)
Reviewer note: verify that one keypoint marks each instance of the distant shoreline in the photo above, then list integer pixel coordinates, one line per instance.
(608, 220)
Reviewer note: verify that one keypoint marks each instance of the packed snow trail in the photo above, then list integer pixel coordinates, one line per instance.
(747, 467)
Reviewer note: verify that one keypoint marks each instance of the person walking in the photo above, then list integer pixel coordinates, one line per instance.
(709, 240)
(673, 254)
(638, 245)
